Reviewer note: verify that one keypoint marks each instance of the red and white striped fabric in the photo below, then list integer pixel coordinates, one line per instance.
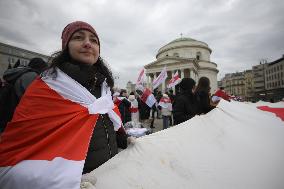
(174, 81)
(45, 144)
(160, 79)
(166, 103)
(148, 97)
(140, 79)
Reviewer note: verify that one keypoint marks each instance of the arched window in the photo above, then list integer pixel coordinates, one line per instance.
(198, 55)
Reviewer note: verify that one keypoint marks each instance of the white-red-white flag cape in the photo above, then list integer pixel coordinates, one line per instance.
(148, 97)
(45, 144)
(160, 79)
(174, 81)
(166, 103)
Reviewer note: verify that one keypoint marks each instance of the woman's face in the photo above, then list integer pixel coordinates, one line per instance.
(84, 47)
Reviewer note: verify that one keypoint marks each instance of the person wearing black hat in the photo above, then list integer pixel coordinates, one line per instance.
(184, 107)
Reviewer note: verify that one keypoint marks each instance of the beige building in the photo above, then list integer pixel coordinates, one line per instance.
(191, 58)
(235, 84)
(258, 72)
(274, 80)
(130, 87)
(10, 55)
(249, 92)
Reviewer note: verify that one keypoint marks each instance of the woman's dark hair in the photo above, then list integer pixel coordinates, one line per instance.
(203, 85)
(63, 56)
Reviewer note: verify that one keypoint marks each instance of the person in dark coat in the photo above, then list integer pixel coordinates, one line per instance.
(124, 107)
(144, 111)
(184, 107)
(202, 93)
(22, 76)
(17, 80)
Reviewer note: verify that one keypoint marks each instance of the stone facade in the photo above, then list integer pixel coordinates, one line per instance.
(10, 55)
(191, 58)
(264, 82)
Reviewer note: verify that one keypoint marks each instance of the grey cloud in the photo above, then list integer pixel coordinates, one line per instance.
(239, 32)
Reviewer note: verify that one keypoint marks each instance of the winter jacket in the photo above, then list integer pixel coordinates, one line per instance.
(165, 106)
(184, 107)
(222, 94)
(21, 77)
(203, 102)
(144, 109)
(124, 109)
(134, 108)
(105, 141)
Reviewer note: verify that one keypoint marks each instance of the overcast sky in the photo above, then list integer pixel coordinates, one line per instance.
(239, 32)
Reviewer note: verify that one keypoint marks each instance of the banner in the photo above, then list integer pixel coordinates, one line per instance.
(160, 79)
(174, 81)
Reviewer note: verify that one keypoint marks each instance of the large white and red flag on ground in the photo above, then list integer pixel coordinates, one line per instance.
(45, 144)
(174, 81)
(148, 97)
(160, 79)
(140, 79)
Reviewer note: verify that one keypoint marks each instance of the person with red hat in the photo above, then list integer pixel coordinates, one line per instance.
(66, 123)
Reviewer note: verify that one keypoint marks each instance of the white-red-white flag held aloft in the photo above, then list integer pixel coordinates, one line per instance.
(45, 145)
(160, 79)
(148, 97)
(140, 79)
(174, 81)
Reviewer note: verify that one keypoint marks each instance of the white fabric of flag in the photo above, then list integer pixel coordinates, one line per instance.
(174, 81)
(160, 79)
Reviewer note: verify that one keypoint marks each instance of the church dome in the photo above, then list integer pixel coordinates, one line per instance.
(182, 43)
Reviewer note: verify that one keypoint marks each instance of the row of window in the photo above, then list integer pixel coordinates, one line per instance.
(198, 55)
(275, 84)
(275, 76)
(12, 60)
(273, 70)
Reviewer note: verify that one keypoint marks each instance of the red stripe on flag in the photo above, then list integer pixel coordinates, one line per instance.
(145, 94)
(50, 127)
(278, 111)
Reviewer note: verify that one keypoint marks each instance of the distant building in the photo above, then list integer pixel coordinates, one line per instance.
(130, 87)
(258, 72)
(248, 81)
(235, 84)
(274, 80)
(191, 58)
(10, 55)
(264, 82)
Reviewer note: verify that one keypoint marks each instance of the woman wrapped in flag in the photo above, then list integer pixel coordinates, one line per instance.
(66, 124)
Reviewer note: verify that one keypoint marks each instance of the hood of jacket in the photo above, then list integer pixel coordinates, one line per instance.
(11, 75)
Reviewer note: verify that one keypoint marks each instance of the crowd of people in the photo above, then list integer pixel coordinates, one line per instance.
(80, 65)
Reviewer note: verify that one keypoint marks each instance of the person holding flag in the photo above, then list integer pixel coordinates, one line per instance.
(66, 123)
(165, 105)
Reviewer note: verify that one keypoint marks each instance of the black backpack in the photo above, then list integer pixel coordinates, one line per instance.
(8, 101)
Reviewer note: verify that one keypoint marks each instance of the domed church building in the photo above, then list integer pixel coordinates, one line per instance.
(191, 58)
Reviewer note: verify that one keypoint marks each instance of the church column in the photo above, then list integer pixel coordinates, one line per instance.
(191, 75)
(174, 89)
(164, 86)
(148, 80)
(155, 76)
(182, 73)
